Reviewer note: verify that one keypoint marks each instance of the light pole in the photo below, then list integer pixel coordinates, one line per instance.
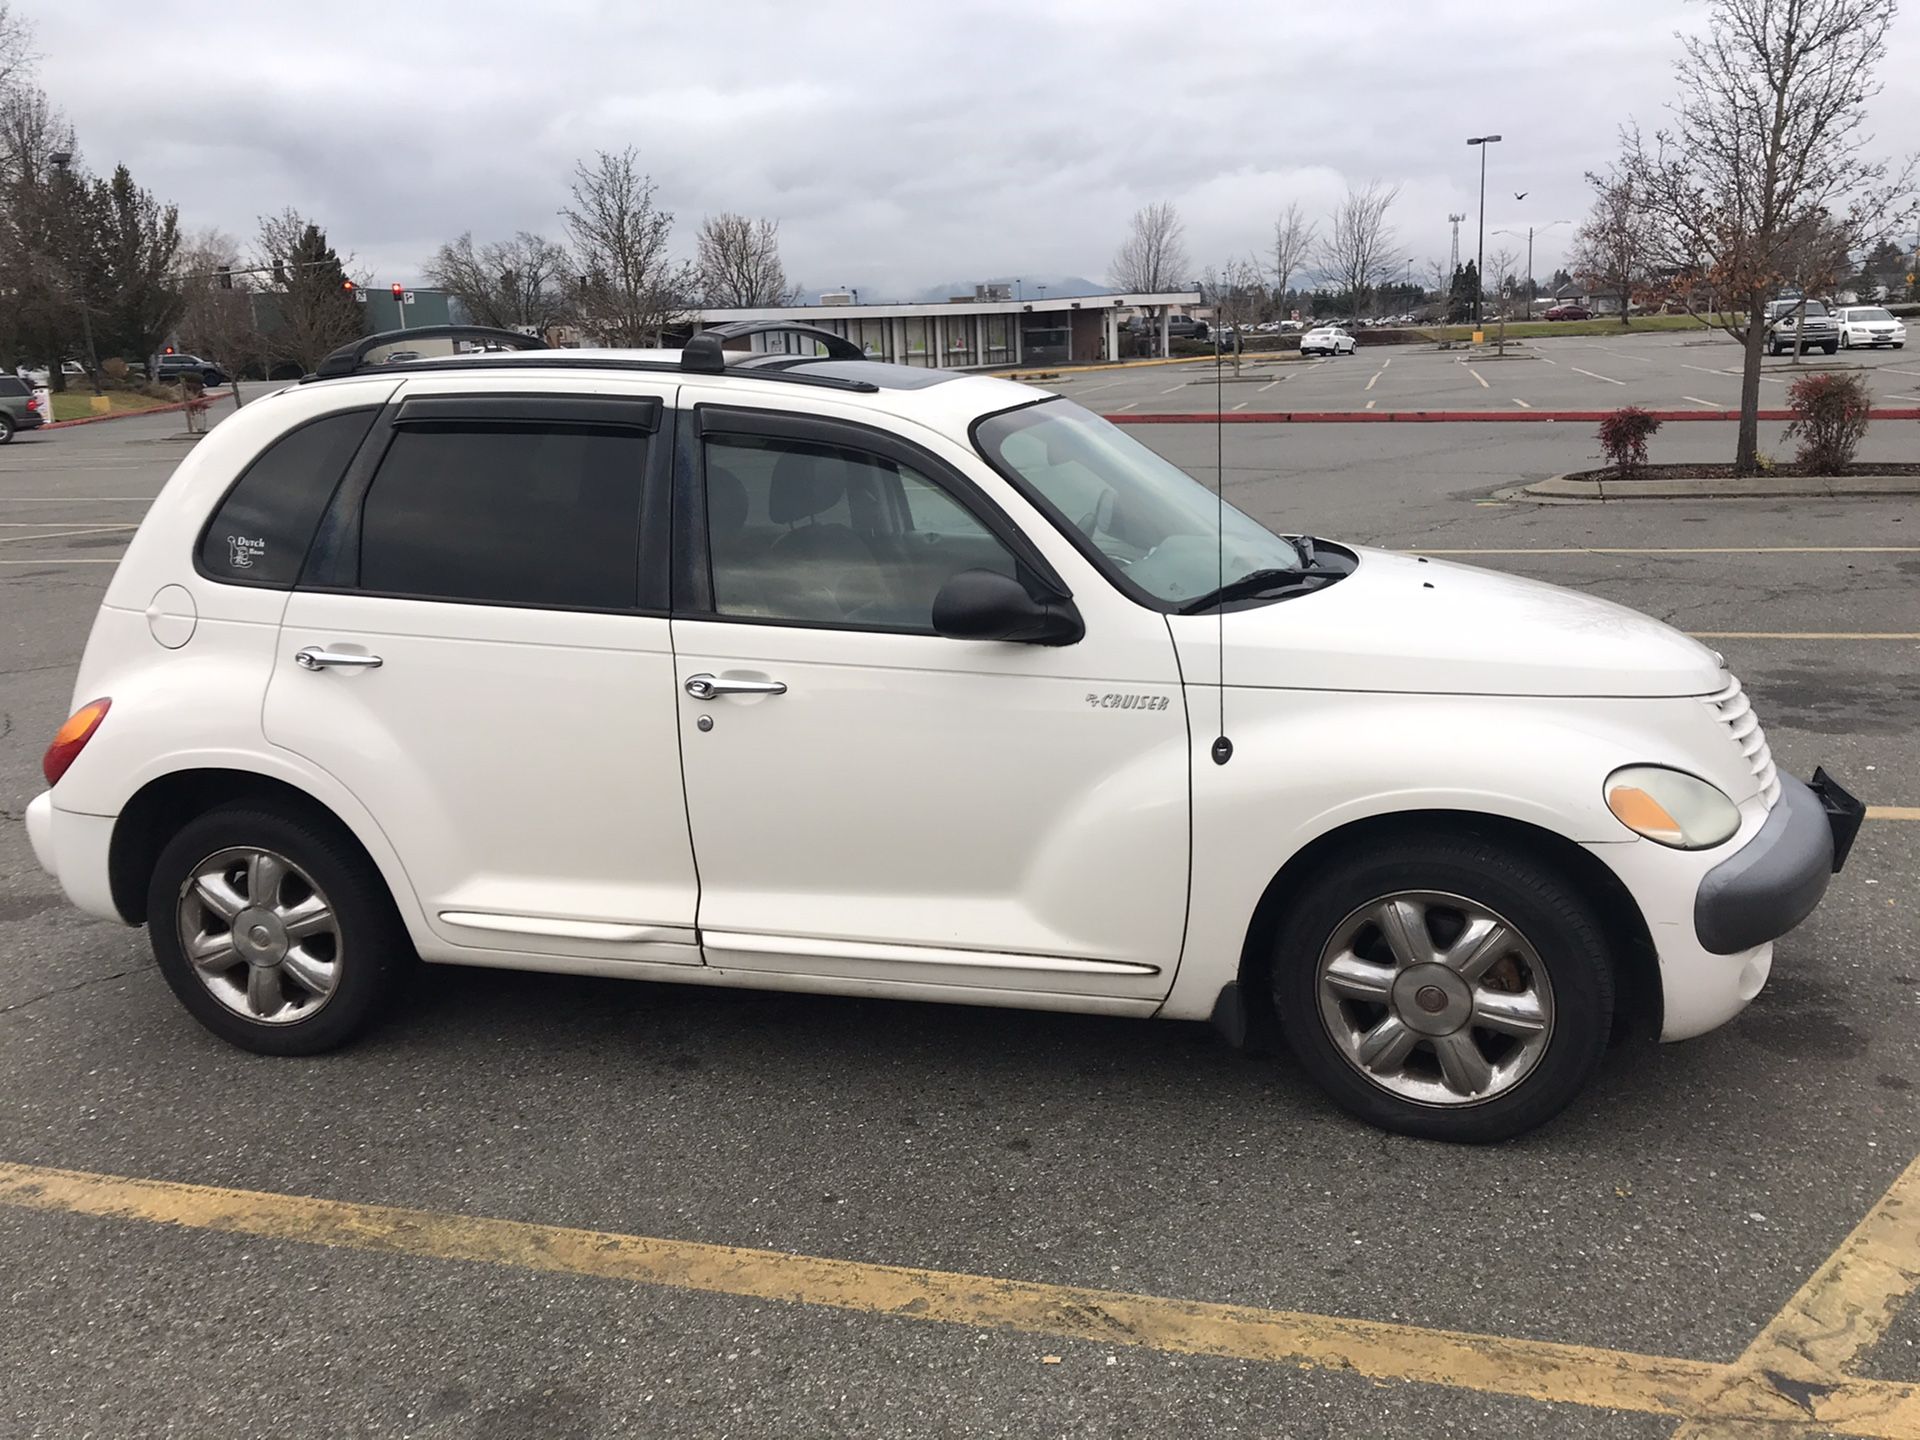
(1479, 265)
(1516, 235)
(61, 160)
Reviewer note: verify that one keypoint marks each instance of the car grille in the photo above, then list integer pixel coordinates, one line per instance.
(1743, 728)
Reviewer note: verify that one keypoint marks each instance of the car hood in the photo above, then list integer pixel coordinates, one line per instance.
(1413, 625)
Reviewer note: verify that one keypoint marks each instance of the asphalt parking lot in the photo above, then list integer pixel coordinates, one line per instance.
(1681, 1244)
(1659, 370)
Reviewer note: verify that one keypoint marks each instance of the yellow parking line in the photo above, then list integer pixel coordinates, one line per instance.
(1893, 812)
(1837, 1316)
(1532, 1369)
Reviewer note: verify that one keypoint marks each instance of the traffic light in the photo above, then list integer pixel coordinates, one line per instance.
(346, 287)
(399, 291)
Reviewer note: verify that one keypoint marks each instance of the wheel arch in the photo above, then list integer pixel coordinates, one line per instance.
(157, 811)
(1629, 940)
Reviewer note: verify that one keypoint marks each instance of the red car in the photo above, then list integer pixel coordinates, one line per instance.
(1569, 312)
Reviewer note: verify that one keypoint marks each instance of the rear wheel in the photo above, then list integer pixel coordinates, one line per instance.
(6, 428)
(1446, 987)
(276, 933)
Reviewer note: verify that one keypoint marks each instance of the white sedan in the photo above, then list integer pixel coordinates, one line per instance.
(1327, 340)
(1870, 325)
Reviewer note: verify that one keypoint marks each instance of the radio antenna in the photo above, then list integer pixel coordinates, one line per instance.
(1222, 746)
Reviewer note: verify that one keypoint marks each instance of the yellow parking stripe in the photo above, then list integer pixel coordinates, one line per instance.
(1893, 812)
(1867, 1274)
(1833, 1319)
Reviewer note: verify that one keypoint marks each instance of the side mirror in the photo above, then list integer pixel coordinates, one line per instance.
(986, 605)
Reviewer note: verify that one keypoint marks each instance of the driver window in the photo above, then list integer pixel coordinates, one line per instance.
(815, 534)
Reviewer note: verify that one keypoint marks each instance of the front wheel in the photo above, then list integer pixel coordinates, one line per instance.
(1445, 987)
(1831, 347)
(1846, 342)
(277, 934)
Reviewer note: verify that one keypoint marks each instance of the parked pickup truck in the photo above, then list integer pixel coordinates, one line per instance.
(1797, 324)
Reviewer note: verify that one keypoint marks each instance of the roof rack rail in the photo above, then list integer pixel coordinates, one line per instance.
(349, 357)
(706, 351)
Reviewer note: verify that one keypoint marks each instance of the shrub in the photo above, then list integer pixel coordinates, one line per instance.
(115, 369)
(1623, 435)
(1829, 420)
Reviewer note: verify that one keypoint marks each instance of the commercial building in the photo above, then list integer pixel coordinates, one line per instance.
(970, 334)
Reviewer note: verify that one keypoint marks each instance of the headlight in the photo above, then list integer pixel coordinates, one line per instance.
(1671, 807)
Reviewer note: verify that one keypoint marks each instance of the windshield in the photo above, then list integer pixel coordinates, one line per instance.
(1790, 307)
(1871, 312)
(1154, 523)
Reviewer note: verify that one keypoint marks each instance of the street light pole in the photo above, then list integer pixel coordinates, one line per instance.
(1480, 263)
(61, 160)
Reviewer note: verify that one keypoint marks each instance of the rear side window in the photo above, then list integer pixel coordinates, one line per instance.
(12, 388)
(530, 514)
(260, 534)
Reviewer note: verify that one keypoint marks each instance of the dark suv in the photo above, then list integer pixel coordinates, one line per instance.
(18, 408)
(173, 367)
(1800, 325)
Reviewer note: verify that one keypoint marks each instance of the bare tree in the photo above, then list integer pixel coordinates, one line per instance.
(738, 262)
(1293, 236)
(517, 283)
(1612, 249)
(1359, 248)
(630, 288)
(1238, 293)
(1766, 139)
(16, 47)
(218, 317)
(1153, 257)
(310, 309)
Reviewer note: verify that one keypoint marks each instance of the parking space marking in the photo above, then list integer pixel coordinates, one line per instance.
(1371, 379)
(1705, 371)
(64, 534)
(1544, 361)
(1836, 1317)
(1478, 376)
(1860, 1284)
(1893, 812)
(1122, 409)
(1241, 406)
(1174, 389)
(1371, 404)
(1591, 376)
(1270, 384)
(1521, 403)
(1710, 404)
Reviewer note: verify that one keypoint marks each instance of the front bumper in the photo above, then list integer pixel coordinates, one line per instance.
(1775, 880)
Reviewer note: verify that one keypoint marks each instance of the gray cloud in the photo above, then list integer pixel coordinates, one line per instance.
(900, 145)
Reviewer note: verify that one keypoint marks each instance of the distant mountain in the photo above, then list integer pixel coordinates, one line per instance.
(1027, 286)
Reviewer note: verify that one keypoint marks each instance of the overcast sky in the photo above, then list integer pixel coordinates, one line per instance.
(900, 145)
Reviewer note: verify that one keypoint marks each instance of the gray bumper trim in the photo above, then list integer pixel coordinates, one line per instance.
(1773, 881)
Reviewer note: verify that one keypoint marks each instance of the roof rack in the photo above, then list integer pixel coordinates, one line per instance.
(349, 357)
(697, 357)
(706, 351)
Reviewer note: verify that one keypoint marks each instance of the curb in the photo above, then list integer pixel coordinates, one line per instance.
(1746, 487)
(128, 414)
(1453, 417)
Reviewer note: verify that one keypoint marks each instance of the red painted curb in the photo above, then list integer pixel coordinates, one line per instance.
(1451, 417)
(127, 414)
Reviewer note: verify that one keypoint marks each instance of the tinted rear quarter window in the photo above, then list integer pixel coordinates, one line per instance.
(507, 515)
(12, 388)
(260, 534)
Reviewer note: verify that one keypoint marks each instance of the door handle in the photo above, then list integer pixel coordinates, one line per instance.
(315, 658)
(705, 687)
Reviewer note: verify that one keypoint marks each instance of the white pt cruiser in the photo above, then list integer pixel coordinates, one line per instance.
(738, 667)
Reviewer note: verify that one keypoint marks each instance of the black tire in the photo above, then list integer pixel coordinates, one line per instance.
(1832, 347)
(1548, 910)
(373, 944)
(1846, 342)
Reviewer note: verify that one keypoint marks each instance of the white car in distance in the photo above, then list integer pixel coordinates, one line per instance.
(800, 671)
(1870, 326)
(1327, 340)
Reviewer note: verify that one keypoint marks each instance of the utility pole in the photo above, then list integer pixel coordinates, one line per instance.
(1480, 264)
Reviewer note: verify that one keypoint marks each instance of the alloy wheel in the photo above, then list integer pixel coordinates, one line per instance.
(260, 935)
(1435, 998)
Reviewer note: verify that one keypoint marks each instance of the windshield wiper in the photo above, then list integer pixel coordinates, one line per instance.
(1254, 582)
